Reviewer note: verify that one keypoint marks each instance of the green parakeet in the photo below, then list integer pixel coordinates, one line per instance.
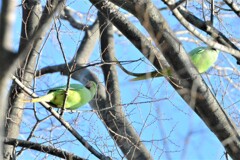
(78, 95)
(202, 57)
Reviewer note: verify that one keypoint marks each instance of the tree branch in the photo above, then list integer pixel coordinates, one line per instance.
(68, 15)
(118, 126)
(42, 148)
(7, 18)
(233, 6)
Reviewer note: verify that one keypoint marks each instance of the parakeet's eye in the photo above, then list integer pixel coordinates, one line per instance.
(89, 85)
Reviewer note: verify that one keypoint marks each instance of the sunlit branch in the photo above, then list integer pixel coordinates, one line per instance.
(212, 31)
(68, 15)
(233, 6)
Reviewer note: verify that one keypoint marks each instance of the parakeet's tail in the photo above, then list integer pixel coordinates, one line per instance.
(144, 76)
(45, 98)
(153, 74)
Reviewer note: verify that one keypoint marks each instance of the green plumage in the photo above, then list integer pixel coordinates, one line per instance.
(202, 57)
(78, 95)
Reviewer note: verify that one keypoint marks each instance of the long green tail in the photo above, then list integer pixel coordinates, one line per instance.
(143, 76)
(140, 76)
(153, 74)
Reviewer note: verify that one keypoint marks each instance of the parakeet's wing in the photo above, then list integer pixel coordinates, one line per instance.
(196, 56)
(82, 95)
(71, 86)
(78, 95)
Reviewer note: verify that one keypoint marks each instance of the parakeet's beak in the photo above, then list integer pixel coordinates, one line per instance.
(89, 85)
(213, 48)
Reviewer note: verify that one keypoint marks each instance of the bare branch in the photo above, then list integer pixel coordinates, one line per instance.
(7, 17)
(68, 15)
(87, 45)
(42, 148)
(212, 11)
(233, 6)
(126, 139)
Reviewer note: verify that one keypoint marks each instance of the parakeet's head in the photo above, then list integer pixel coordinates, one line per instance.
(92, 86)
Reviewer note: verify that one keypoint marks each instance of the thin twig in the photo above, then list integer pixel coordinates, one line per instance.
(42, 148)
(212, 11)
